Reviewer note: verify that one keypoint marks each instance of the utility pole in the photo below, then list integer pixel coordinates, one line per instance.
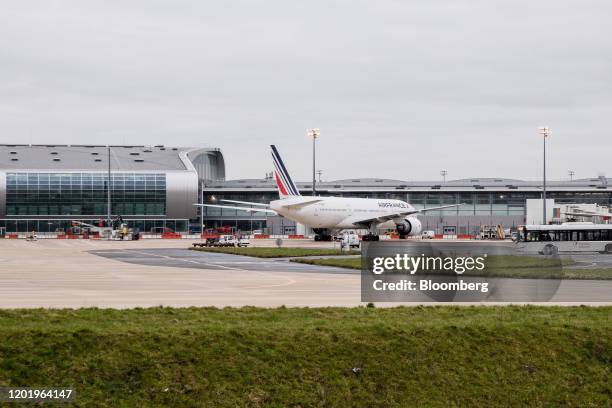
(319, 172)
(314, 133)
(544, 131)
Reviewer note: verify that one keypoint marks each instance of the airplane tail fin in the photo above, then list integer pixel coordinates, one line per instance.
(286, 186)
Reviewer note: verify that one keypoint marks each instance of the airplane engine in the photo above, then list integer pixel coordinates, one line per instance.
(409, 226)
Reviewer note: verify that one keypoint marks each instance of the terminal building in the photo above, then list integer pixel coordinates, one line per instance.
(486, 201)
(44, 188)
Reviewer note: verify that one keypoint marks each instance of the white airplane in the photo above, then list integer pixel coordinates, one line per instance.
(327, 215)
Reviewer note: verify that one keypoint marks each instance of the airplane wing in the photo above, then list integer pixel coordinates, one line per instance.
(436, 208)
(584, 214)
(231, 207)
(246, 202)
(388, 217)
(302, 203)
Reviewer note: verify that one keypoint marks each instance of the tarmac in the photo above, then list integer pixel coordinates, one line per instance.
(122, 274)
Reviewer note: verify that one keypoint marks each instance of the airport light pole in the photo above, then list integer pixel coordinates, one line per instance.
(108, 190)
(314, 133)
(202, 209)
(544, 131)
(571, 173)
(443, 173)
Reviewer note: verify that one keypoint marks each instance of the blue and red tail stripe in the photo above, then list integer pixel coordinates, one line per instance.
(285, 184)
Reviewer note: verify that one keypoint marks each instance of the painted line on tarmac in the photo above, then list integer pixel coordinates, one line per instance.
(274, 275)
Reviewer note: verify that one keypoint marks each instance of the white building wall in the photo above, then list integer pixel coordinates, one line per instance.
(534, 211)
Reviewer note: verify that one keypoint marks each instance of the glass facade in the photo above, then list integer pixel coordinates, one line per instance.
(54, 225)
(43, 194)
(486, 203)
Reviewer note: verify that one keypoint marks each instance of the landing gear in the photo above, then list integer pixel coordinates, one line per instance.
(323, 237)
(322, 234)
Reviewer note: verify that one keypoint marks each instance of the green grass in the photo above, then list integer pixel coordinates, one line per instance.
(590, 273)
(276, 252)
(526, 268)
(349, 263)
(419, 356)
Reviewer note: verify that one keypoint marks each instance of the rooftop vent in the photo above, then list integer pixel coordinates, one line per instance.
(13, 152)
(138, 160)
(175, 149)
(94, 153)
(162, 148)
(436, 187)
(134, 154)
(14, 159)
(56, 159)
(147, 151)
(54, 153)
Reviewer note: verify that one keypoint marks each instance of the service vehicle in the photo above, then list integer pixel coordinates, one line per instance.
(350, 239)
(428, 234)
(227, 241)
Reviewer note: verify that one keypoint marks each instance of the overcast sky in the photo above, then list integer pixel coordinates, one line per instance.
(399, 89)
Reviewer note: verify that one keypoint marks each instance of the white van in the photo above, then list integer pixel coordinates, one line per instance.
(428, 234)
(350, 239)
(227, 240)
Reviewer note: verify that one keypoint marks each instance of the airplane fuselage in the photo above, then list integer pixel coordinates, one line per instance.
(338, 212)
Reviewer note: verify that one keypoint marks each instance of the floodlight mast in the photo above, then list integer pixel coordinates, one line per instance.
(544, 131)
(314, 133)
(108, 190)
(443, 173)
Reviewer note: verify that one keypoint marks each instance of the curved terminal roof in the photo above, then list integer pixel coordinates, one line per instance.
(94, 158)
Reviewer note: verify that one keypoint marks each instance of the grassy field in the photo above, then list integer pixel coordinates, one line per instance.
(362, 357)
(276, 252)
(528, 269)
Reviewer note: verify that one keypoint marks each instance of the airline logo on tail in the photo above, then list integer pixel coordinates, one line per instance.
(286, 186)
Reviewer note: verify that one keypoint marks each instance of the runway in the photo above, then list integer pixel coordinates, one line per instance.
(84, 273)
